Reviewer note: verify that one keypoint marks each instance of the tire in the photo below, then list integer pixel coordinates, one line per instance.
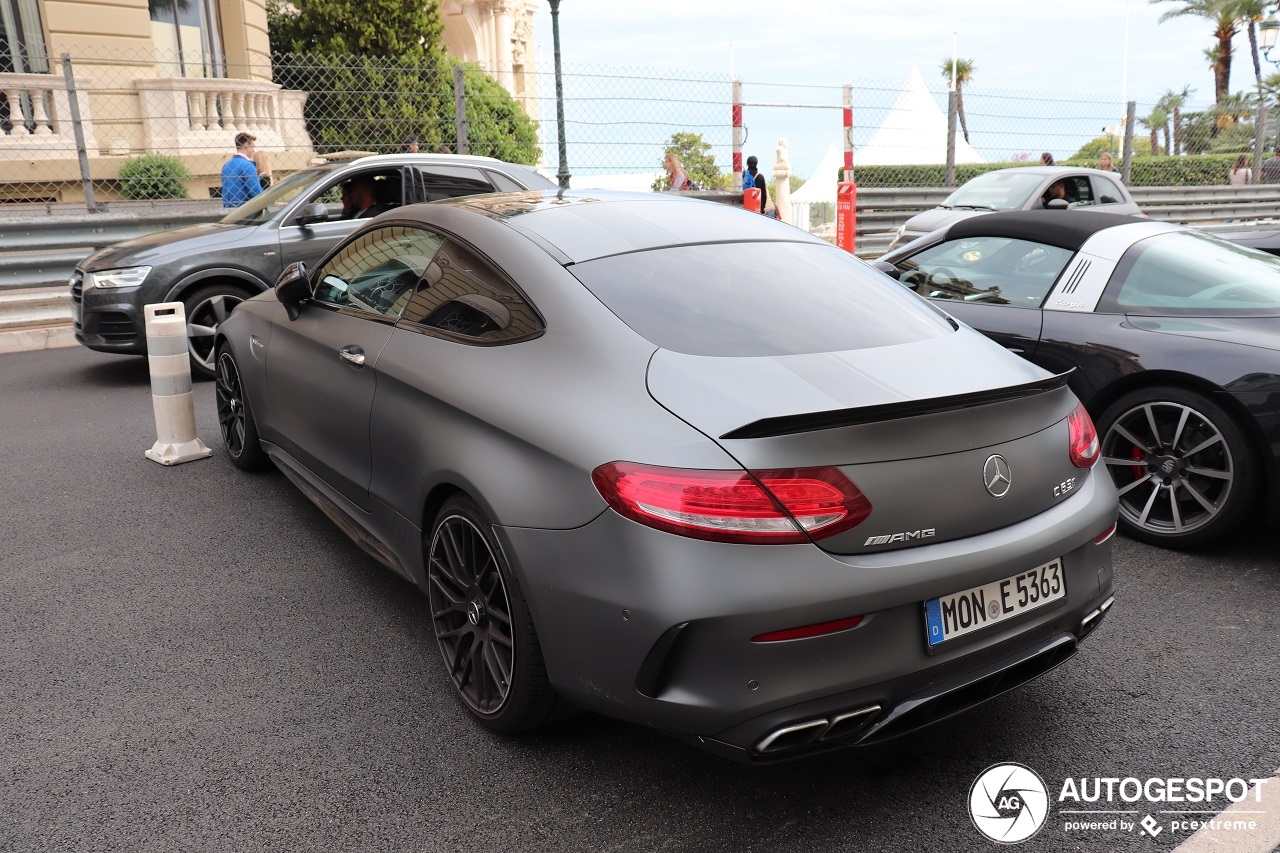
(482, 624)
(235, 417)
(206, 310)
(1187, 482)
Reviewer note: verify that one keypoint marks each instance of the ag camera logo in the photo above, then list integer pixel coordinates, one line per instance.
(1008, 803)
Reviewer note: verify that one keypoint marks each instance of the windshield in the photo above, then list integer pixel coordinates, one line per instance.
(261, 208)
(1003, 190)
(1194, 274)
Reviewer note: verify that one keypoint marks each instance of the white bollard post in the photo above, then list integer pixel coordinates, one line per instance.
(175, 408)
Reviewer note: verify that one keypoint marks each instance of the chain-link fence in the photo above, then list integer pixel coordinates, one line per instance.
(116, 126)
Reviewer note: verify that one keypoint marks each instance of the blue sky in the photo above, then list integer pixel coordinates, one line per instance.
(1041, 50)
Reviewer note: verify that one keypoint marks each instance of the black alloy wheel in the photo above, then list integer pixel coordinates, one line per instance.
(1180, 464)
(206, 310)
(235, 419)
(482, 624)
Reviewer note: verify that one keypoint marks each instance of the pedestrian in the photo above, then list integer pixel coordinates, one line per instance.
(675, 172)
(239, 176)
(1046, 159)
(262, 162)
(1241, 174)
(443, 149)
(409, 145)
(1270, 170)
(1105, 162)
(757, 180)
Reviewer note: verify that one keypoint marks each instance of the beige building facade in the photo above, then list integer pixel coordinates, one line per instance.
(180, 77)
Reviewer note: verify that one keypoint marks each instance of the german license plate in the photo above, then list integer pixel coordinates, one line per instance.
(961, 613)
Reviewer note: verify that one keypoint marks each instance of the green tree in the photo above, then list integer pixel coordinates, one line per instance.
(1223, 15)
(964, 75)
(696, 158)
(387, 28)
(376, 73)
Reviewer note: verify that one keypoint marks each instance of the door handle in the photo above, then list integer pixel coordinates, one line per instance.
(354, 355)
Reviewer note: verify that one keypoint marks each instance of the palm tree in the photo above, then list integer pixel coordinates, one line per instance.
(1224, 16)
(964, 76)
(1172, 103)
(1250, 12)
(1157, 121)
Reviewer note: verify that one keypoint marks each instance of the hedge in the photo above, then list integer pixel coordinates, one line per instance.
(1190, 171)
(153, 176)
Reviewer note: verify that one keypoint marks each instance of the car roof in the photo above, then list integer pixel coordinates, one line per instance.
(583, 225)
(1066, 229)
(1048, 171)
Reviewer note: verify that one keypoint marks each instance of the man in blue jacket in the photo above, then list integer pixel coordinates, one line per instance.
(239, 176)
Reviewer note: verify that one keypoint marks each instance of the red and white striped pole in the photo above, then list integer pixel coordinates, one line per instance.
(847, 190)
(738, 135)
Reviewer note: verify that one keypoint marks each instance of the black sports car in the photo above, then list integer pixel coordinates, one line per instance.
(1173, 335)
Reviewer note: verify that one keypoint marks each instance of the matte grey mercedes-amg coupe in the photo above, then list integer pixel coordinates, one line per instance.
(675, 463)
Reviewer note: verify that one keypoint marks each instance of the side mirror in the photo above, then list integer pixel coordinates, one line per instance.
(1057, 204)
(315, 212)
(293, 286)
(887, 268)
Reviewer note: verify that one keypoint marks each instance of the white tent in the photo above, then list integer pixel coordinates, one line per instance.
(914, 132)
(821, 186)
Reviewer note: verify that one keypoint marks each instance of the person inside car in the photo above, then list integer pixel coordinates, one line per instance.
(1057, 190)
(360, 199)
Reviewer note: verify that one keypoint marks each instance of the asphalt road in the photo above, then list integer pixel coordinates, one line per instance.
(194, 658)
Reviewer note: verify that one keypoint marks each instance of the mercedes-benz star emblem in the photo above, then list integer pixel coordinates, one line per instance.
(996, 476)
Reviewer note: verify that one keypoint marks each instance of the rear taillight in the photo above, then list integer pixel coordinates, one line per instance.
(761, 507)
(1083, 438)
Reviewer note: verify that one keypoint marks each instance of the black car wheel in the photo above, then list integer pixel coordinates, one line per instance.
(1180, 464)
(206, 310)
(483, 626)
(235, 418)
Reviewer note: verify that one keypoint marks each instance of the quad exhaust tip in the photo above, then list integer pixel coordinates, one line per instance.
(824, 730)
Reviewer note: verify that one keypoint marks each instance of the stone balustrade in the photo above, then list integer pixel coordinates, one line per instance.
(188, 115)
(38, 117)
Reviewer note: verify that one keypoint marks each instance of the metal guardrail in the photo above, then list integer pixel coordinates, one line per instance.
(42, 247)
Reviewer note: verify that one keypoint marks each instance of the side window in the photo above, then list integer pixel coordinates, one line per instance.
(1107, 191)
(503, 183)
(377, 272)
(463, 297)
(379, 192)
(433, 183)
(994, 270)
(1073, 189)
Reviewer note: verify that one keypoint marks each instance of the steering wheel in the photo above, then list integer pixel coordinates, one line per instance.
(943, 276)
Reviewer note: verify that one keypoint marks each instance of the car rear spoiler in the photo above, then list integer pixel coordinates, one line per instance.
(813, 421)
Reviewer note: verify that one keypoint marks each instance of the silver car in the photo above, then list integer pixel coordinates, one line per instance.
(679, 464)
(1024, 188)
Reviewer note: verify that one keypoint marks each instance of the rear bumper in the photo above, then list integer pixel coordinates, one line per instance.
(656, 629)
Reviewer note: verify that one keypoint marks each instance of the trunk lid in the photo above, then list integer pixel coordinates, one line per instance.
(912, 425)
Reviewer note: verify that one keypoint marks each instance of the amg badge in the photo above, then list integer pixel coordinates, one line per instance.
(926, 533)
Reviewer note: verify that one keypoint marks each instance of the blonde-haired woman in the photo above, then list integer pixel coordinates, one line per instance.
(675, 172)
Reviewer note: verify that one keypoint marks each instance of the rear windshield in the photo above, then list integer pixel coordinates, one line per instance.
(758, 299)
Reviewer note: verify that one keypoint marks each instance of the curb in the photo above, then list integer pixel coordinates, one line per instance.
(48, 337)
